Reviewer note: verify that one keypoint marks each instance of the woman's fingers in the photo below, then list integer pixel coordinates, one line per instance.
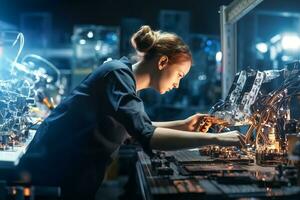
(203, 126)
(202, 114)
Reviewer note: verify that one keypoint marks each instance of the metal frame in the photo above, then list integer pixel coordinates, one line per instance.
(229, 16)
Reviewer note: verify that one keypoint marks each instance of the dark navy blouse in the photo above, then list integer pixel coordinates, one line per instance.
(75, 143)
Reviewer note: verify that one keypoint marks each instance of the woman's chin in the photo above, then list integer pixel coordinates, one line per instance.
(162, 91)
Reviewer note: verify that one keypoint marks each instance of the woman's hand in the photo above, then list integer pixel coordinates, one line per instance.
(231, 138)
(193, 122)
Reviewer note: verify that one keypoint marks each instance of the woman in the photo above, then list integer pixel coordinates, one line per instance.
(73, 146)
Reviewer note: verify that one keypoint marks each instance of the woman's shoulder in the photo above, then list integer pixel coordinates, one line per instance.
(114, 65)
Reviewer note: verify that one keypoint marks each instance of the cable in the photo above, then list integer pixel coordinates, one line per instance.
(49, 64)
(22, 41)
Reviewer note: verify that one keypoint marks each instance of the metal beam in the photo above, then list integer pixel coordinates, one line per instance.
(239, 8)
(229, 15)
(228, 47)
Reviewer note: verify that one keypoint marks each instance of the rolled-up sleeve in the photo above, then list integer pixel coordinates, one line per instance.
(127, 107)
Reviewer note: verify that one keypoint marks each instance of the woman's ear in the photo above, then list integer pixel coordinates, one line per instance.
(162, 62)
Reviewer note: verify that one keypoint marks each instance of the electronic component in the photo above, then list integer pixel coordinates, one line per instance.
(200, 176)
(15, 102)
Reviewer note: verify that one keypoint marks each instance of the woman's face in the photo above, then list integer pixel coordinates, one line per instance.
(169, 75)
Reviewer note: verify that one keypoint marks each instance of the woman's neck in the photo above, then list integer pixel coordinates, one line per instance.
(142, 75)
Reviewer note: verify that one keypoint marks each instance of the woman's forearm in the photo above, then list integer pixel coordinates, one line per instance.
(169, 139)
(177, 124)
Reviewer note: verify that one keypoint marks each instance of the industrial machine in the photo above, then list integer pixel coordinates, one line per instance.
(260, 100)
(29, 90)
(213, 173)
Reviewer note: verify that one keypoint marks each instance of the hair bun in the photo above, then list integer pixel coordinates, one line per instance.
(144, 39)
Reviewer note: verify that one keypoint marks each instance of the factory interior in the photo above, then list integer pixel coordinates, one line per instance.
(243, 81)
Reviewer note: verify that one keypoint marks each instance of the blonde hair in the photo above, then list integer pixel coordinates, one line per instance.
(156, 43)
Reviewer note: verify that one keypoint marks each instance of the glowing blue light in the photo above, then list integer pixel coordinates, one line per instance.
(290, 42)
(262, 47)
(219, 56)
(286, 58)
(90, 34)
(275, 38)
(1, 52)
(202, 77)
(82, 41)
(209, 42)
(97, 47)
(111, 37)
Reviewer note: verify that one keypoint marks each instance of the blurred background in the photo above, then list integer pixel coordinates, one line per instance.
(78, 36)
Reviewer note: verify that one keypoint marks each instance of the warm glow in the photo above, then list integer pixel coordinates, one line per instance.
(27, 192)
